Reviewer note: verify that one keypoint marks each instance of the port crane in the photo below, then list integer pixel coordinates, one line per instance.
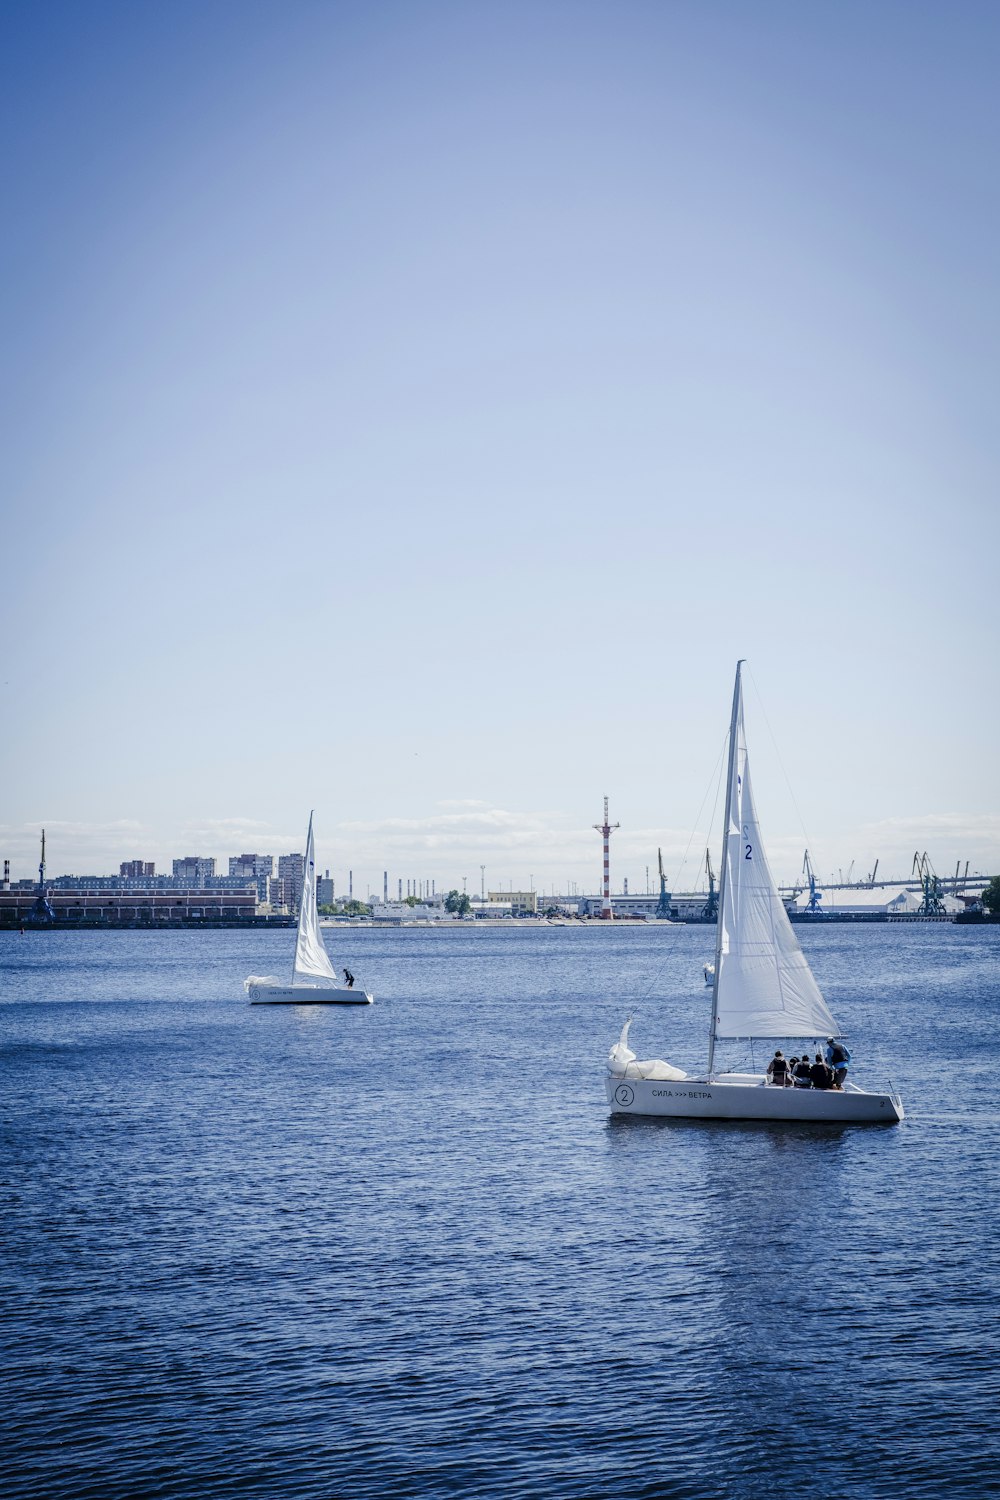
(710, 911)
(815, 896)
(929, 885)
(663, 905)
(871, 878)
(41, 911)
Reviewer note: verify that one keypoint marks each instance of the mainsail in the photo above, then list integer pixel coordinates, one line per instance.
(311, 959)
(763, 985)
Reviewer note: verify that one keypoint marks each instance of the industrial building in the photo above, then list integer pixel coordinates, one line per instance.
(124, 907)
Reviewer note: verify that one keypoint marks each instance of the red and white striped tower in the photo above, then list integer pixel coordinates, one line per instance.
(606, 829)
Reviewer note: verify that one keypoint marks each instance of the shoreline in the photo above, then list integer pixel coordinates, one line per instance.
(480, 924)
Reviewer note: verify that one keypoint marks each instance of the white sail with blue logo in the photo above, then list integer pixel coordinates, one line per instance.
(314, 979)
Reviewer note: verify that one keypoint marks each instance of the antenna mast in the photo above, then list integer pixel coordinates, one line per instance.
(606, 829)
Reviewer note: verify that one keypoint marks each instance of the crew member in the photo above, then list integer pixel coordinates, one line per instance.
(821, 1074)
(837, 1057)
(777, 1069)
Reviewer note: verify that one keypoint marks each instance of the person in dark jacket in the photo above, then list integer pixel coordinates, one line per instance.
(777, 1069)
(837, 1057)
(800, 1074)
(821, 1074)
(349, 977)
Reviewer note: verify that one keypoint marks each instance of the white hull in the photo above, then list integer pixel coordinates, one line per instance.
(743, 1096)
(307, 994)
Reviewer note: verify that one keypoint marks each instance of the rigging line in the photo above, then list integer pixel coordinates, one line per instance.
(716, 779)
(777, 752)
(671, 938)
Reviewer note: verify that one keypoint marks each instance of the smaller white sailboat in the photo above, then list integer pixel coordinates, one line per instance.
(314, 979)
(762, 986)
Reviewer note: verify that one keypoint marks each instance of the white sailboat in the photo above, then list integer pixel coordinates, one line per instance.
(761, 987)
(314, 979)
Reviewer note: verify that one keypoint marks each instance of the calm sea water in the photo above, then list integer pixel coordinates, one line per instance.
(405, 1251)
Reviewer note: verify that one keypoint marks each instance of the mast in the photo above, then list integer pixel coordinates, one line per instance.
(723, 879)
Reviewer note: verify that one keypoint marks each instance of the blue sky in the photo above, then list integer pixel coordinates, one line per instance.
(412, 411)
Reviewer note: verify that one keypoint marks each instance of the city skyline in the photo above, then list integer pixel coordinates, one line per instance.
(413, 412)
(573, 862)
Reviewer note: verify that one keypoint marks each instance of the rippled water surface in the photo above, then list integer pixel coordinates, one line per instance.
(403, 1250)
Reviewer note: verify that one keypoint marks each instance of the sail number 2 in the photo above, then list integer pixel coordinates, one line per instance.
(749, 853)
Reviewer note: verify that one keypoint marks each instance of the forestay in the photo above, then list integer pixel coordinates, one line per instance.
(764, 987)
(311, 959)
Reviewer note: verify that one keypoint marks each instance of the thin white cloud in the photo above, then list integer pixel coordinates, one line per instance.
(515, 844)
(935, 825)
(73, 848)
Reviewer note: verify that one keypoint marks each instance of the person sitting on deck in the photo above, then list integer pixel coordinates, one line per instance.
(777, 1069)
(800, 1074)
(821, 1074)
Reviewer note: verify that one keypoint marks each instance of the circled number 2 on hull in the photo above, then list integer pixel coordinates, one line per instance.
(623, 1094)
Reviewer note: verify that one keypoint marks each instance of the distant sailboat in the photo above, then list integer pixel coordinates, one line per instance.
(314, 979)
(762, 986)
